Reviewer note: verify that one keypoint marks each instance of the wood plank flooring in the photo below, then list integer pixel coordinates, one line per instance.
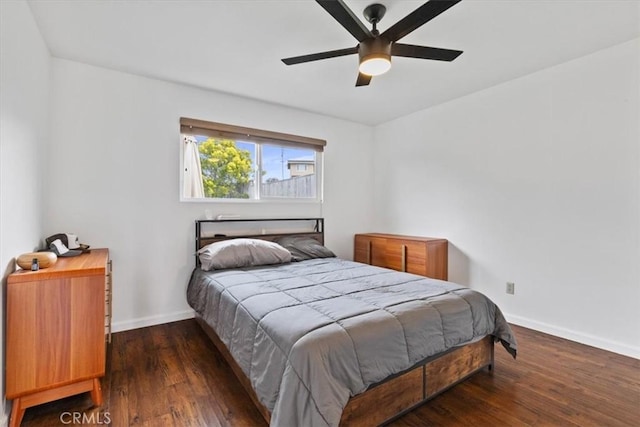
(171, 375)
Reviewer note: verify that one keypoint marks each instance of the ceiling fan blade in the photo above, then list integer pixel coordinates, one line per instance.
(418, 17)
(319, 56)
(424, 52)
(346, 18)
(363, 80)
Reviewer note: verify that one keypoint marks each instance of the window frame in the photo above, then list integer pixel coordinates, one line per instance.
(259, 137)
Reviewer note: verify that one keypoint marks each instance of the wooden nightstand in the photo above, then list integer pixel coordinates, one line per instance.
(56, 324)
(426, 256)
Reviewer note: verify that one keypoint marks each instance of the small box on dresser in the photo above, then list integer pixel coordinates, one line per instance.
(426, 256)
(56, 324)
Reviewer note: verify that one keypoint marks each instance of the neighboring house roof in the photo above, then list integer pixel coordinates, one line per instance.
(302, 160)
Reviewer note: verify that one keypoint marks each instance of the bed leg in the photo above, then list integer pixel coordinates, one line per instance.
(491, 365)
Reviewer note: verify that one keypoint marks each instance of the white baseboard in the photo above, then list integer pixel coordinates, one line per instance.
(604, 344)
(143, 322)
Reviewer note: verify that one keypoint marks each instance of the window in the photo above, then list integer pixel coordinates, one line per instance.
(233, 163)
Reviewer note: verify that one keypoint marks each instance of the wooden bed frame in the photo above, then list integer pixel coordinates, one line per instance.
(390, 398)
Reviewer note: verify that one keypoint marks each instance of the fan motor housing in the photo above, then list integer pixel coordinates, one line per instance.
(374, 48)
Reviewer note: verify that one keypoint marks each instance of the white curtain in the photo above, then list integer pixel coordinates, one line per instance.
(193, 187)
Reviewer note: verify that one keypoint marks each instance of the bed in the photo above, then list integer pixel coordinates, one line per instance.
(327, 342)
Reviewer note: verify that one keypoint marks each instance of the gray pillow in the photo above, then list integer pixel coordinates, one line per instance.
(236, 253)
(302, 248)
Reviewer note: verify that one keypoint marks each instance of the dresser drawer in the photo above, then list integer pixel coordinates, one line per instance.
(371, 250)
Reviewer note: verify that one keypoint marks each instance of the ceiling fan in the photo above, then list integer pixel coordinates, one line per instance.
(375, 49)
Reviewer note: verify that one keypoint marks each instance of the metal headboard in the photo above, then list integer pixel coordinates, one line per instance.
(317, 231)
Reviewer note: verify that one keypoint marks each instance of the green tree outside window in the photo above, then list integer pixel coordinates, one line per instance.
(226, 169)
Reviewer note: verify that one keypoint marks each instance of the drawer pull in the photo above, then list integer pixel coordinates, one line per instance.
(404, 258)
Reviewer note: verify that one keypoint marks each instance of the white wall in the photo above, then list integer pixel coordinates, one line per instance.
(115, 179)
(535, 181)
(24, 108)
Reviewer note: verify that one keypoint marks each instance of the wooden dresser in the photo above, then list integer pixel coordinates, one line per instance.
(426, 256)
(57, 321)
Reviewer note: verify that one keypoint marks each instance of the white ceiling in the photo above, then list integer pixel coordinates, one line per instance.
(235, 46)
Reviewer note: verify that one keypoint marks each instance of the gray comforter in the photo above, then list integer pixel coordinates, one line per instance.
(311, 334)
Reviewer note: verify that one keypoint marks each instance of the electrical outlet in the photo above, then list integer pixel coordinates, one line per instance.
(511, 288)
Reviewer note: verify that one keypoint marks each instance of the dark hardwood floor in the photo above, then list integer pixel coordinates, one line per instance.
(171, 375)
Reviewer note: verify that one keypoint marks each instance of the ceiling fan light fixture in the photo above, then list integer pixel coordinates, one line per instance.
(374, 66)
(375, 56)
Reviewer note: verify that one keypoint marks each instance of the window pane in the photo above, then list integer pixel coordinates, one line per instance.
(228, 167)
(288, 172)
